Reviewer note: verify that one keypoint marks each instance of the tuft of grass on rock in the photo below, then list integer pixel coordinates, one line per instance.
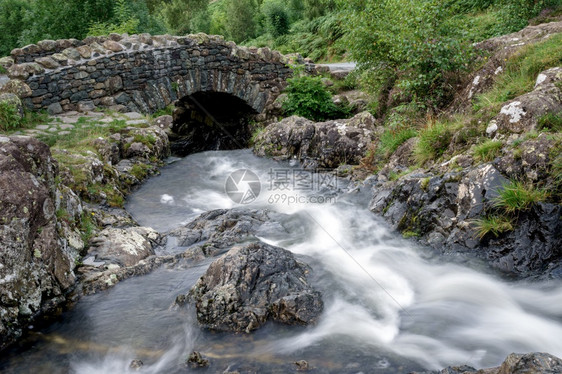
(494, 224)
(488, 150)
(550, 122)
(517, 196)
(433, 141)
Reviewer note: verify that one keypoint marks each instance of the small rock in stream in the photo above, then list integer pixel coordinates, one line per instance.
(195, 361)
(136, 364)
(302, 365)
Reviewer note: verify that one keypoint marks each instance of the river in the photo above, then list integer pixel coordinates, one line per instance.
(391, 306)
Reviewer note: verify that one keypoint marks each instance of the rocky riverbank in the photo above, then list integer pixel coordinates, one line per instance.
(450, 186)
(62, 225)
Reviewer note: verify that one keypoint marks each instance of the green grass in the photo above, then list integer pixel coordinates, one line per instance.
(83, 135)
(517, 196)
(391, 139)
(494, 224)
(521, 72)
(392, 176)
(410, 234)
(433, 141)
(550, 122)
(87, 227)
(488, 150)
(140, 171)
(167, 111)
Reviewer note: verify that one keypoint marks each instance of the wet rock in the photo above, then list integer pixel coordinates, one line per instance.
(441, 209)
(252, 284)
(325, 144)
(136, 365)
(35, 270)
(302, 365)
(218, 230)
(196, 361)
(535, 363)
(534, 248)
(123, 247)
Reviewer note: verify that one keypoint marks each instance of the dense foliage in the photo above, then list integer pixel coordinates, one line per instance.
(308, 97)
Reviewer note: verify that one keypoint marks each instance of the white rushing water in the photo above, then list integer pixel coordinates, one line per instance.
(392, 304)
(390, 297)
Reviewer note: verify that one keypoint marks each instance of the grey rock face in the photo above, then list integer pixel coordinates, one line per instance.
(522, 113)
(252, 284)
(124, 247)
(35, 268)
(441, 210)
(324, 144)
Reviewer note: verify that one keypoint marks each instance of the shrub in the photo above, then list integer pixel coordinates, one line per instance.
(308, 97)
(433, 141)
(488, 150)
(516, 196)
(10, 118)
(125, 22)
(514, 15)
(407, 39)
(550, 122)
(494, 224)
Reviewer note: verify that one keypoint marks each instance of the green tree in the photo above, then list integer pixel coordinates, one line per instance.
(186, 16)
(123, 21)
(241, 19)
(277, 17)
(11, 23)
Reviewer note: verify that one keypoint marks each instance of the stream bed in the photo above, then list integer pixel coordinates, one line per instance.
(391, 306)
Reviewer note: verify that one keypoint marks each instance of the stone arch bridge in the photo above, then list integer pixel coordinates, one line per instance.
(141, 72)
(209, 79)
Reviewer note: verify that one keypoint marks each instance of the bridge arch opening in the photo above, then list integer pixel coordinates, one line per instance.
(206, 121)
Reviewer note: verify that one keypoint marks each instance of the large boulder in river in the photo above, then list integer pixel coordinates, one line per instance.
(322, 144)
(36, 267)
(252, 284)
(219, 230)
